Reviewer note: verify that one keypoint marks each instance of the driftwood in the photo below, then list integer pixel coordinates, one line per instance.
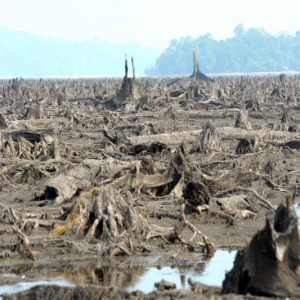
(268, 266)
(253, 105)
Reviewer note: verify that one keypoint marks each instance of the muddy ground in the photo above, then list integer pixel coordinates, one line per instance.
(189, 172)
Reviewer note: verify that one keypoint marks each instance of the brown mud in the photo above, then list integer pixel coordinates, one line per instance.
(107, 168)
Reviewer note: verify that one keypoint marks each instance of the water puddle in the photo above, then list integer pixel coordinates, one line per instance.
(211, 273)
(130, 274)
(133, 273)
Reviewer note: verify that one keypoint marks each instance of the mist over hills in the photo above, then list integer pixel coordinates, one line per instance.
(253, 50)
(26, 55)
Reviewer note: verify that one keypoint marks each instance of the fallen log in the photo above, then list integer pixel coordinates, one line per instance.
(226, 133)
(65, 186)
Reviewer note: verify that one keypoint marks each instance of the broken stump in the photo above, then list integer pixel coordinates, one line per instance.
(268, 266)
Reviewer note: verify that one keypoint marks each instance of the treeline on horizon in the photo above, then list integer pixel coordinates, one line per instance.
(27, 55)
(253, 50)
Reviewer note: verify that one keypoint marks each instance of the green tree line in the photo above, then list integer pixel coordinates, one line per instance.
(252, 50)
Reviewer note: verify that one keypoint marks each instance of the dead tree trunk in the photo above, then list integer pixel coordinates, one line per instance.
(226, 133)
(196, 63)
(268, 266)
(197, 75)
(129, 87)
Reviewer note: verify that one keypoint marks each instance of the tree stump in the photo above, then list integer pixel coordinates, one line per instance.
(285, 118)
(242, 120)
(244, 146)
(129, 86)
(3, 124)
(291, 100)
(282, 78)
(196, 195)
(253, 104)
(268, 266)
(209, 139)
(33, 113)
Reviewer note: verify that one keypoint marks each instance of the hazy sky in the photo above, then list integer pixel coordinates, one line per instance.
(150, 22)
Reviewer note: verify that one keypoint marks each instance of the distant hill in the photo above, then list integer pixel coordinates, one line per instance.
(253, 50)
(27, 55)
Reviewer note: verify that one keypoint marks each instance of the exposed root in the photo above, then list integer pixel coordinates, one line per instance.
(104, 215)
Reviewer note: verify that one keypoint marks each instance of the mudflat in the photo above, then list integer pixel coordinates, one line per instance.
(110, 169)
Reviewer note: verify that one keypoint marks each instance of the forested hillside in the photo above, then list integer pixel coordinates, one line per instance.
(253, 50)
(26, 55)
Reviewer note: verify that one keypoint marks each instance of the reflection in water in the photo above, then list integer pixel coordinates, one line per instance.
(129, 274)
(212, 273)
(79, 272)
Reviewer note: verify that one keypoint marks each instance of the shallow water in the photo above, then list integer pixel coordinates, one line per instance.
(213, 273)
(130, 274)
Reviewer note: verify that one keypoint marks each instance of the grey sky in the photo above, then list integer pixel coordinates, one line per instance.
(149, 22)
